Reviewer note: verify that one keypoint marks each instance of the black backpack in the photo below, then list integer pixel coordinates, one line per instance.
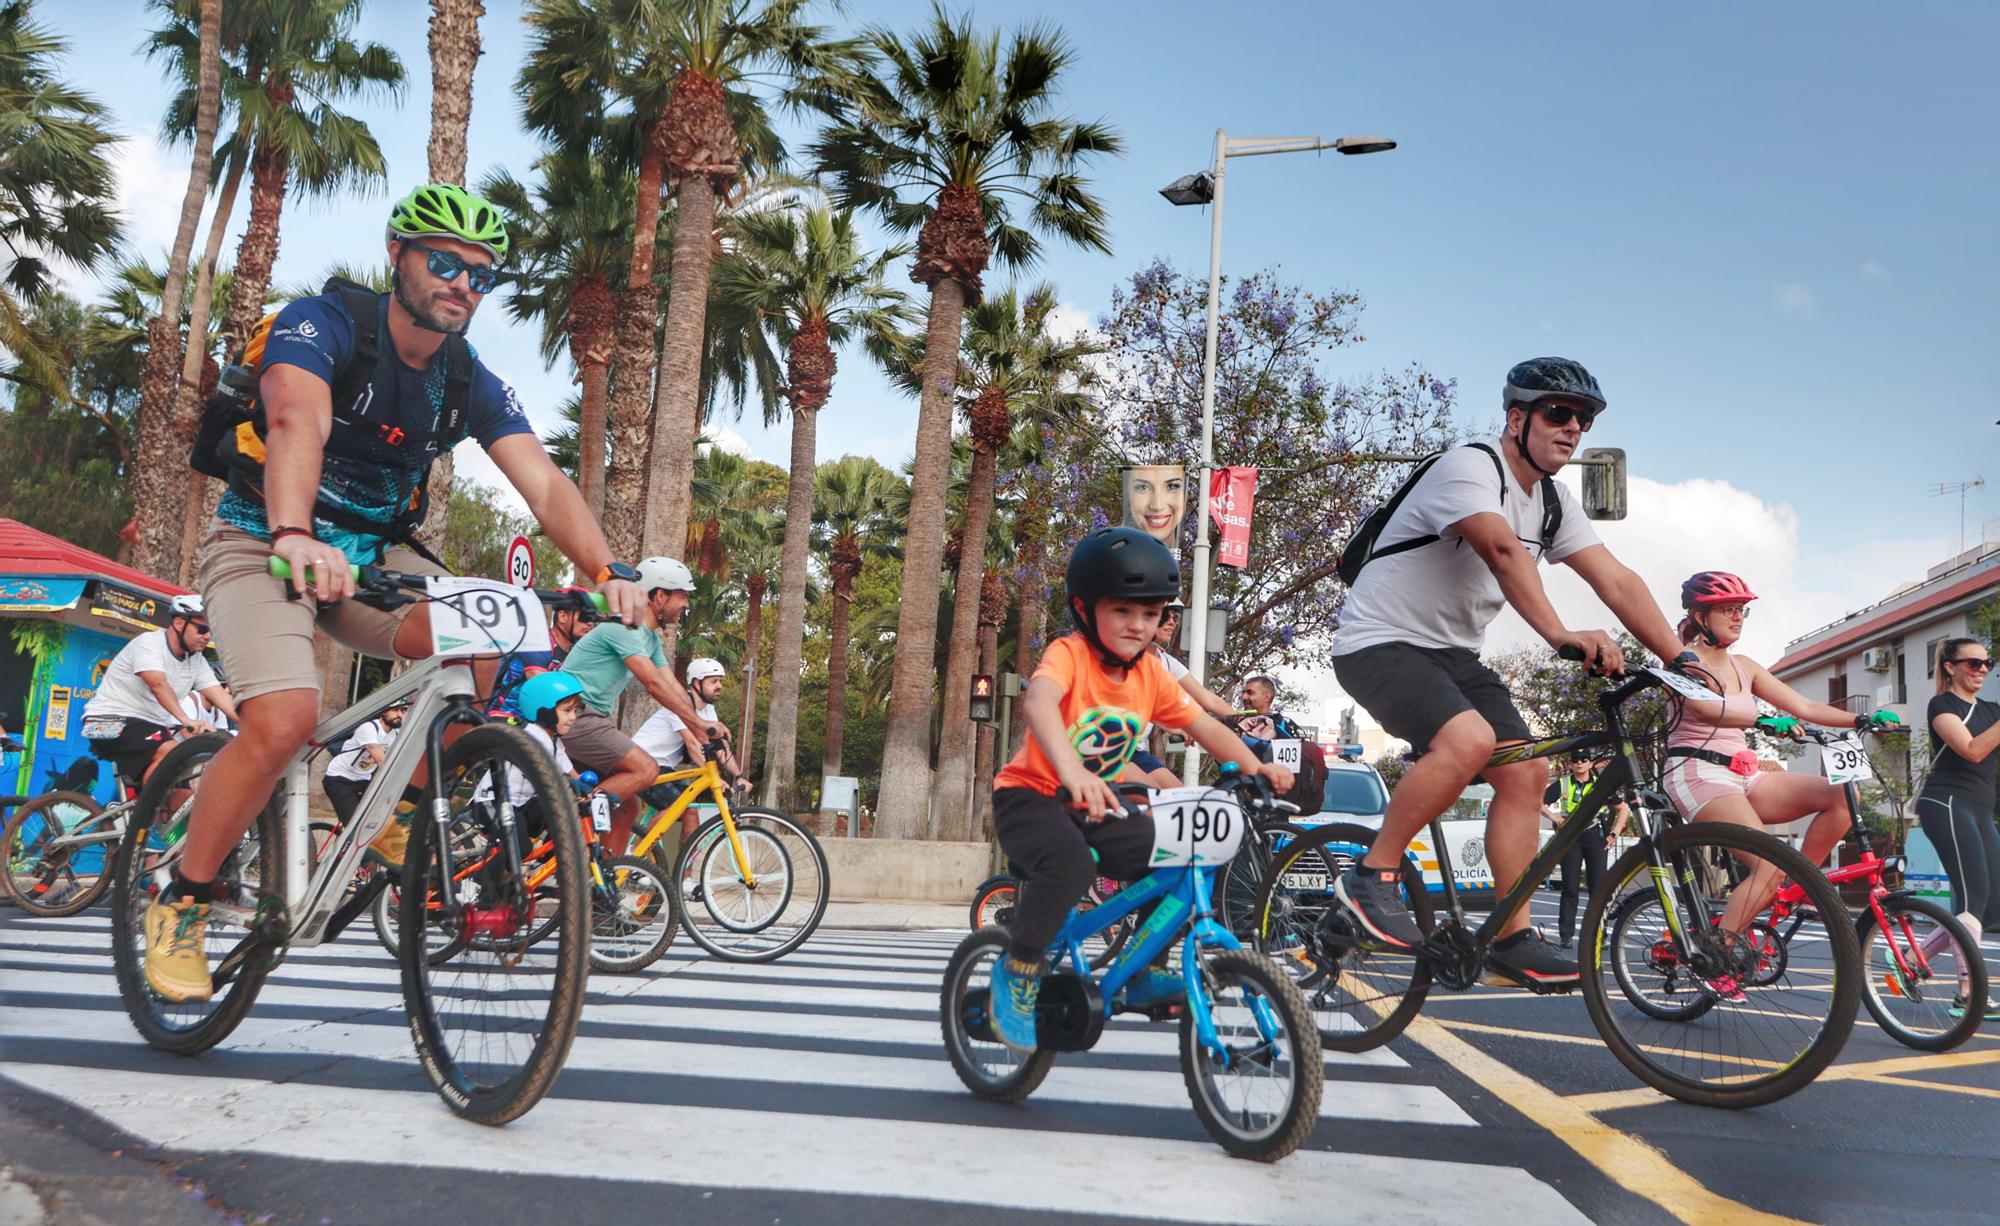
(220, 449)
(1360, 548)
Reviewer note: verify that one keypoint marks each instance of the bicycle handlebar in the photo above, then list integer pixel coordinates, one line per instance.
(380, 579)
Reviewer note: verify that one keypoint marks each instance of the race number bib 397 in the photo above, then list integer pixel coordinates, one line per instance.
(1846, 761)
(478, 617)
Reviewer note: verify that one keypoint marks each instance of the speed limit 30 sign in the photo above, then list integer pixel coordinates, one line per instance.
(521, 563)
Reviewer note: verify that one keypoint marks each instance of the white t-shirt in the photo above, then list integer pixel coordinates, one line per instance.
(1175, 668)
(517, 783)
(123, 695)
(355, 762)
(663, 735)
(1442, 594)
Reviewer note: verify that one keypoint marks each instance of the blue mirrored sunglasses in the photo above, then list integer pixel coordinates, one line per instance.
(445, 266)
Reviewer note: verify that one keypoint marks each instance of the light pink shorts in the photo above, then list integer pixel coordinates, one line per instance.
(1691, 783)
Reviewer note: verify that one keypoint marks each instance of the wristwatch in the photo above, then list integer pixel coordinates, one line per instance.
(617, 570)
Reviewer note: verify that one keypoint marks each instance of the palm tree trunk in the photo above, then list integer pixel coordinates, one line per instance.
(753, 634)
(982, 761)
(628, 428)
(904, 807)
(1027, 628)
(269, 169)
(590, 436)
(677, 415)
(836, 676)
(454, 46)
(954, 777)
(197, 508)
(783, 732)
(156, 477)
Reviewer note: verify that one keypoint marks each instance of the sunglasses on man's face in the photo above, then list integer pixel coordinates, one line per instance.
(198, 627)
(1560, 415)
(445, 266)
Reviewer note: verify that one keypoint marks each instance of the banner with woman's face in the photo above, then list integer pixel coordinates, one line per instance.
(1156, 501)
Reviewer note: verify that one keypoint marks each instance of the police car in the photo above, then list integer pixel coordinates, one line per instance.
(1355, 794)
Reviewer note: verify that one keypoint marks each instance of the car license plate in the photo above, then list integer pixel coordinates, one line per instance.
(1305, 881)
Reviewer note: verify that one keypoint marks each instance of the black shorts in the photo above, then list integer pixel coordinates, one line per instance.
(132, 750)
(1414, 691)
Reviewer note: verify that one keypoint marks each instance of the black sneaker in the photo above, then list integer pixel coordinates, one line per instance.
(1374, 897)
(1533, 963)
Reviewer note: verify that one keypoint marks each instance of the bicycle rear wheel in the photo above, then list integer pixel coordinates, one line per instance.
(238, 959)
(988, 1067)
(493, 1025)
(633, 915)
(1764, 1032)
(50, 881)
(993, 901)
(762, 908)
(1362, 994)
(1918, 968)
(1238, 884)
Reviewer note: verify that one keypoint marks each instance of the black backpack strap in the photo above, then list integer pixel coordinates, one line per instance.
(1552, 514)
(367, 309)
(1418, 542)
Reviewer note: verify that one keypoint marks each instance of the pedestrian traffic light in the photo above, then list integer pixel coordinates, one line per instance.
(982, 698)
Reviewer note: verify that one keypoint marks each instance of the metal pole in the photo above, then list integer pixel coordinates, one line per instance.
(1198, 598)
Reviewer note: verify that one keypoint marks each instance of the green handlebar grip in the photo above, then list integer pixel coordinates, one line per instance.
(599, 603)
(281, 569)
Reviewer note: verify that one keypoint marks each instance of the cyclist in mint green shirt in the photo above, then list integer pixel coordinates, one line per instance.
(607, 660)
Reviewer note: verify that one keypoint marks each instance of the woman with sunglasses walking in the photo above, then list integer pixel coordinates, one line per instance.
(1956, 805)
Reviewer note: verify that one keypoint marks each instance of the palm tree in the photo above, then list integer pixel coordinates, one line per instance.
(158, 480)
(756, 561)
(935, 147)
(55, 187)
(681, 70)
(299, 58)
(804, 277)
(454, 46)
(1011, 364)
(571, 237)
(851, 519)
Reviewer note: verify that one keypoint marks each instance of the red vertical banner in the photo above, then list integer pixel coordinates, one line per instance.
(1232, 493)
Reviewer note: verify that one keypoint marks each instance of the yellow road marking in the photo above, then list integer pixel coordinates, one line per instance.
(1630, 1163)
(1869, 1070)
(1976, 1091)
(1593, 1041)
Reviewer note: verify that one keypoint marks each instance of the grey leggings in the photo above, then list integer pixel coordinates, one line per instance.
(1968, 844)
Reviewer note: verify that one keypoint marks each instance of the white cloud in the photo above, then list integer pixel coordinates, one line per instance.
(1796, 300)
(728, 440)
(1871, 269)
(151, 182)
(1068, 321)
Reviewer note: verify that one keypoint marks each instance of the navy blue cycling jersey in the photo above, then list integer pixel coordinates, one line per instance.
(372, 465)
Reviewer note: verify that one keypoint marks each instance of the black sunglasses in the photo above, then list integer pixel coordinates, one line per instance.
(445, 266)
(198, 627)
(1971, 661)
(1560, 415)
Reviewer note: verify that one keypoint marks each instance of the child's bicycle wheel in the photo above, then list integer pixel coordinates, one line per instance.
(1258, 1091)
(993, 901)
(988, 1067)
(760, 908)
(632, 915)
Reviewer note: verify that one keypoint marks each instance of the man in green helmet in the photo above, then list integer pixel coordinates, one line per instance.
(356, 395)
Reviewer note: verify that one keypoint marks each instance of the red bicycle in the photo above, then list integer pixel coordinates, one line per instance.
(1925, 981)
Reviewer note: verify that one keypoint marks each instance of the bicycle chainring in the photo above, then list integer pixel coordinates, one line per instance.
(1454, 956)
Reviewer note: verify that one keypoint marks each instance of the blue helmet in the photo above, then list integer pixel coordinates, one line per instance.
(543, 691)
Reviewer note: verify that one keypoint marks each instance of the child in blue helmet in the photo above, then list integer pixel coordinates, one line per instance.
(1092, 693)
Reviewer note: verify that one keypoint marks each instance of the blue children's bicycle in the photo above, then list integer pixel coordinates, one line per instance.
(1250, 1050)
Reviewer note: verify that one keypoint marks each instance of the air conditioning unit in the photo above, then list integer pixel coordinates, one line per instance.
(1878, 659)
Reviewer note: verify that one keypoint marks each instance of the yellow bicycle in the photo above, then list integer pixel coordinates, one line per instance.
(753, 881)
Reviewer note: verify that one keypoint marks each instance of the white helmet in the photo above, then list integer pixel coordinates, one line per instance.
(185, 606)
(665, 573)
(701, 668)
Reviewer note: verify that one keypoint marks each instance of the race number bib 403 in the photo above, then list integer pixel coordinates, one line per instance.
(1289, 752)
(1846, 761)
(1195, 826)
(479, 617)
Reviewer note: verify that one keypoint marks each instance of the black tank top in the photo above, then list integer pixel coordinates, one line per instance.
(1950, 772)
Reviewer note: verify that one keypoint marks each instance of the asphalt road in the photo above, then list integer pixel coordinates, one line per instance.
(816, 1090)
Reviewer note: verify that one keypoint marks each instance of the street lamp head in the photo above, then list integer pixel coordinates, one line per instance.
(1198, 188)
(1364, 144)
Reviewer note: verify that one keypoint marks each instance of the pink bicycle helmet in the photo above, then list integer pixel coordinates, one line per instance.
(1709, 587)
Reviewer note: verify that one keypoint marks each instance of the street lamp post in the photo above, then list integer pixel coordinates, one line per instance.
(1207, 189)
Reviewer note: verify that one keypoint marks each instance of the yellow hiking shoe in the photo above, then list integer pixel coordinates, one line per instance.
(176, 961)
(393, 843)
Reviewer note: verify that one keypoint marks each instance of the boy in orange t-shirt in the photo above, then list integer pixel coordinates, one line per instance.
(1085, 706)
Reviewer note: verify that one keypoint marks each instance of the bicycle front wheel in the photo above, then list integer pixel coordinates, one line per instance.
(1926, 981)
(494, 1024)
(1743, 1031)
(760, 907)
(1257, 1090)
(49, 880)
(1362, 994)
(633, 914)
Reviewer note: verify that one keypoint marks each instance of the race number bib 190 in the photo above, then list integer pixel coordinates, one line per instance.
(478, 617)
(1197, 826)
(1846, 761)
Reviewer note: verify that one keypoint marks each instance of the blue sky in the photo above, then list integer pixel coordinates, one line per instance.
(1767, 228)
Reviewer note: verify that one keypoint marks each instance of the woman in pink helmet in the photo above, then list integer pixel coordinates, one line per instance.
(1712, 774)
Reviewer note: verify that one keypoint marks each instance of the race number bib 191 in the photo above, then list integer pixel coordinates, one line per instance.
(1846, 761)
(478, 617)
(1195, 826)
(1289, 752)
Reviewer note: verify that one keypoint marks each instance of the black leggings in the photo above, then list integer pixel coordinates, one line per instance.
(1968, 844)
(1586, 861)
(1050, 846)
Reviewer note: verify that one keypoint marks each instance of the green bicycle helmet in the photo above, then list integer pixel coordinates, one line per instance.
(447, 210)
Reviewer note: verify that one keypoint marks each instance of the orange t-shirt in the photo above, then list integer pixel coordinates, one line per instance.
(1105, 717)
